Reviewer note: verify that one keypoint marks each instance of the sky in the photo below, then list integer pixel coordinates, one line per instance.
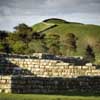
(14, 12)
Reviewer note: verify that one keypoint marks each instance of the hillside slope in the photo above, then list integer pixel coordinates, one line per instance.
(86, 34)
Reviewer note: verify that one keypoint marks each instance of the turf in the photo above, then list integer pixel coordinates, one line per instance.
(86, 33)
(41, 26)
(44, 97)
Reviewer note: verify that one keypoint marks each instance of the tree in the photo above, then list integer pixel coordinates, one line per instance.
(7, 48)
(68, 43)
(4, 45)
(53, 43)
(37, 46)
(97, 45)
(22, 28)
(19, 47)
(3, 35)
(89, 54)
(37, 35)
(23, 32)
(21, 39)
(1, 47)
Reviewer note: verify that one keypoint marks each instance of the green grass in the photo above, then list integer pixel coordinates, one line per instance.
(41, 26)
(87, 34)
(44, 97)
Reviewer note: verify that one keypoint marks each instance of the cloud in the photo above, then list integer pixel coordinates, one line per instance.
(30, 11)
(22, 7)
(70, 6)
(48, 7)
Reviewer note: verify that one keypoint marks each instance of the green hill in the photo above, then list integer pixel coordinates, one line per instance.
(42, 26)
(86, 34)
(55, 21)
(55, 36)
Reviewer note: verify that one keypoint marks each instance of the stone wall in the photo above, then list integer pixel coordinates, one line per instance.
(5, 84)
(47, 74)
(46, 67)
(55, 68)
(30, 84)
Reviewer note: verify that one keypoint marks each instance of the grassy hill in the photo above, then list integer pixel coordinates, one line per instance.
(86, 34)
(42, 26)
(55, 36)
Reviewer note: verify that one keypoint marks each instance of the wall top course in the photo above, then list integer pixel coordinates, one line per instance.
(5, 77)
(43, 56)
(38, 66)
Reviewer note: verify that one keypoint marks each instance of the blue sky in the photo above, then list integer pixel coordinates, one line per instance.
(13, 12)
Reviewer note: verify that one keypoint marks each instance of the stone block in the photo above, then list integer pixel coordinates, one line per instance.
(42, 66)
(7, 91)
(78, 67)
(71, 67)
(89, 64)
(47, 66)
(36, 66)
(85, 67)
(30, 65)
(0, 90)
(6, 77)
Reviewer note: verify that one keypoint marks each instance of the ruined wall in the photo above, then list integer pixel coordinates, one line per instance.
(48, 67)
(55, 68)
(29, 74)
(5, 84)
(30, 84)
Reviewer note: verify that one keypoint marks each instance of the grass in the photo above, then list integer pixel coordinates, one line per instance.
(45, 97)
(87, 34)
(41, 26)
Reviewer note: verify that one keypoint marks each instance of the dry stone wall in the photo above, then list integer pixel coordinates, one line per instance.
(46, 74)
(55, 68)
(30, 84)
(5, 84)
(47, 67)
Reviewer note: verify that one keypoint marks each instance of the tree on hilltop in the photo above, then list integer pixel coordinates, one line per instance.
(89, 54)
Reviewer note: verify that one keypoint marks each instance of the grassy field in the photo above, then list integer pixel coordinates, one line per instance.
(45, 97)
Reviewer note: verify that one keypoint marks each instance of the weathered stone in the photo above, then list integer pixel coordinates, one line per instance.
(42, 68)
(89, 64)
(7, 91)
(0, 90)
(85, 67)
